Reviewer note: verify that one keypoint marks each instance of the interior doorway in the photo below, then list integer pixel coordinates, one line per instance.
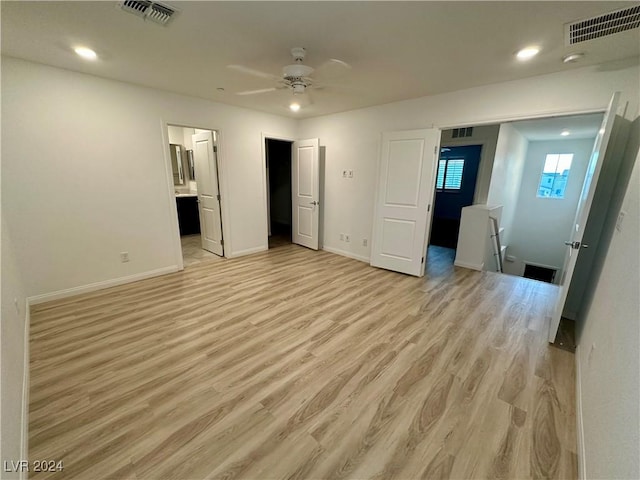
(455, 188)
(279, 191)
(195, 172)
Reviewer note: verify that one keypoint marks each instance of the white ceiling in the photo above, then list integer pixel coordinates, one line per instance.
(579, 126)
(397, 50)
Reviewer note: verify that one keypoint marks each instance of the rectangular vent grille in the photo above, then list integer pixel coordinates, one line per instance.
(147, 10)
(462, 132)
(602, 26)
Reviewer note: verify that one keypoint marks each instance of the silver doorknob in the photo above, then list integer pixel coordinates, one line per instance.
(314, 203)
(576, 245)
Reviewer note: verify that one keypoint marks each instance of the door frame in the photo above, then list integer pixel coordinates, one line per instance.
(265, 180)
(171, 197)
(499, 121)
(435, 179)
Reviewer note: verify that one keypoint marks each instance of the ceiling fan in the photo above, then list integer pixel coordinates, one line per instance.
(295, 77)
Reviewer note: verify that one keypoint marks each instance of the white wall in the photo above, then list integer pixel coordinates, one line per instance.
(508, 165)
(541, 225)
(608, 354)
(14, 352)
(352, 139)
(85, 174)
(487, 136)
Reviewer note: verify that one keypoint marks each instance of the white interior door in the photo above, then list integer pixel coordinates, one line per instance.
(574, 244)
(206, 166)
(305, 190)
(402, 214)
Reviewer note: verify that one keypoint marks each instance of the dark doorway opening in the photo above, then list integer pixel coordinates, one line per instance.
(278, 157)
(543, 274)
(455, 186)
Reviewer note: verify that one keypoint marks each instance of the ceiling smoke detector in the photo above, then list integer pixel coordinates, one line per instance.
(572, 57)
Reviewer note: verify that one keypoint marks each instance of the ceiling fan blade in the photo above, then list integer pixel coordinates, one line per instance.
(255, 73)
(254, 92)
(332, 68)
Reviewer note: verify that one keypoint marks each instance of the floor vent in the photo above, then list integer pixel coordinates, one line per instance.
(602, 26)
(147, 10)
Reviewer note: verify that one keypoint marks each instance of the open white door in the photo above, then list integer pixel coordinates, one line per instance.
(402, 214)
(206, 166)
(574, 244)
(305, 190)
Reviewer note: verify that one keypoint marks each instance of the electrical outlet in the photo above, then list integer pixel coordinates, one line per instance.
(124, 257)
(365, 242)
(342, 237)
(347, 238)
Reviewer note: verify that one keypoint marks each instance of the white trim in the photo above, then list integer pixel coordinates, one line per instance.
(222, 188)
(472, 266)
(69, 292)
(344, 253)
(516, 118)
(172, 205)
(248, 251)
(582, 461)
(24, 440)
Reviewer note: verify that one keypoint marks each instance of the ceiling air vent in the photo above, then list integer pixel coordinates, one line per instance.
(602, 26)
(462, 132)
(147, 10)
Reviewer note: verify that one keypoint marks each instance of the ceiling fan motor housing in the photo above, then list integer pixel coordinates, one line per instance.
(298, 87)
(296, 70)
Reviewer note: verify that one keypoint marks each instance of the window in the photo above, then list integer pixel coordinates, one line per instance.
(449, 174)
(555, 173)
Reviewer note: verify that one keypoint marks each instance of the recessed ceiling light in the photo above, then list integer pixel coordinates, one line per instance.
(220, 89)
(528, 52)
(565, 133)
(572, 57)
(294, 107)
(86, 53)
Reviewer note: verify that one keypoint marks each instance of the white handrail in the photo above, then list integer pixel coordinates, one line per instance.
(496, 243)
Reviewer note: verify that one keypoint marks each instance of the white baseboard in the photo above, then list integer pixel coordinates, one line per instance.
(24, 440)
(344, 253)
(582, 466)
(472, 266)
(248, 251)
(92, 287)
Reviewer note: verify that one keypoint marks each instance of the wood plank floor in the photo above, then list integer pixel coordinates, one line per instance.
(302, 364)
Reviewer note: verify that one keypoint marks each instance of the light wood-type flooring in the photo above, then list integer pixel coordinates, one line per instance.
(192, 251)
(300, 364)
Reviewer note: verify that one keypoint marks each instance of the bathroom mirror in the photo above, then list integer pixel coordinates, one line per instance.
(192, 167)
(177, 165)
